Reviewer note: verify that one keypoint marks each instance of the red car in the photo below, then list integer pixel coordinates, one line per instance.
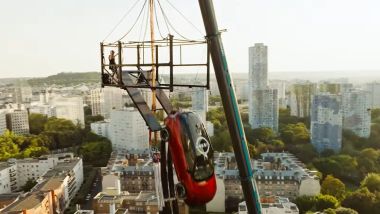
(192, 156)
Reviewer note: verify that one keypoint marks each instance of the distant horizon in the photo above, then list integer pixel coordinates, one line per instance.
(273, 75)
(301, 35)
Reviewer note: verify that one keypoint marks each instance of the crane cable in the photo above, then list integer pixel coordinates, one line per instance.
(168, 22)
(158, 25)
(138, 17)
(121, 20)
(185, 18)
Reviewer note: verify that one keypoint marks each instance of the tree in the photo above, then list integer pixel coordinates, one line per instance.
(30, 183)
(252, 150)
(305, 203)
(87, 110)
(372, 182)
(277, 145)
(295, 134)
(96, 153)
(304, 152)
(327, 153)
(263, 134)
(54, 124)
(361, 200)
(285, 118)
(329, 211)
(37, 123)
(222, 142)
(62, 133)
(341, 166)
(343, 210)
(326, 201)
(369, 161)
(333, 186)
(91, 119)
(18, 146)
(8, 145)
(375, 115)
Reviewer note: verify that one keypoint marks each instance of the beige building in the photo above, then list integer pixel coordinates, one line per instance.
(281, 174)
(60, 179)
(46, 197)
(17, 121)
(133, 169)
(142, 202)
(276, 175)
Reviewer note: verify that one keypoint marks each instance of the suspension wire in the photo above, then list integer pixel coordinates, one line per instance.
(158, 26)
(166, 23)
(146, 25)
(121, 20)
(141, 23)
(185, 18)
(138, 17)
(170, 24)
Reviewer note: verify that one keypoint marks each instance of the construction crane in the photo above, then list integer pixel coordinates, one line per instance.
(135, 79)
(230, 105)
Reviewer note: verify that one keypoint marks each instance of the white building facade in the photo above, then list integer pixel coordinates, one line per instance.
(70, 108)
(101, 128)
(128, 130)
(3, 121)
(199, 102)
(326, 122)
(16, 172)
(18, 121)
(374, 90)
(262, 100)
(104, 100)
(357, 112)
(300, 98)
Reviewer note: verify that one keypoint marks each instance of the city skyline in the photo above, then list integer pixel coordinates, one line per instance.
(45, 37)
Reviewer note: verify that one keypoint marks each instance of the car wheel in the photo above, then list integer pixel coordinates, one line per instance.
(180, 191)
(164, 134)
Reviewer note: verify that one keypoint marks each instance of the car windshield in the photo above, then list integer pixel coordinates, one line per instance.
(197, 147)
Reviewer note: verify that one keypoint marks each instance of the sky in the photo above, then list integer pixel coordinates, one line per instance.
(44, 37)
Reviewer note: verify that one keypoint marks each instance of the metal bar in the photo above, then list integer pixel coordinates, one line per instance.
(145, 86)
(194, 65)
(185, 85)
(164, 178)
(138, 56)
(160, 94)
(208, 67)
(161, 64)
(171, 183)
(144, 55)
(180, 54)
(157, 78)
(119, 68)
(102, 62)
(231, 109)
(171, 61)
(141, 104)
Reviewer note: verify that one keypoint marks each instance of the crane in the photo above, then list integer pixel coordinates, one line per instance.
(148, 79)
(230, 105)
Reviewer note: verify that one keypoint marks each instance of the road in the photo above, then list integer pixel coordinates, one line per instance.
(95, 189)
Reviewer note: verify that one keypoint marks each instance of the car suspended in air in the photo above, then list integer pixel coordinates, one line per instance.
(192, 156)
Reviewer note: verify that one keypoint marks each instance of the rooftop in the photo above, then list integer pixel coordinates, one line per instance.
(84, 212)
(29, 202)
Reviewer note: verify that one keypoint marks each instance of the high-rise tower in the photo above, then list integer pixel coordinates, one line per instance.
(263, 101)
